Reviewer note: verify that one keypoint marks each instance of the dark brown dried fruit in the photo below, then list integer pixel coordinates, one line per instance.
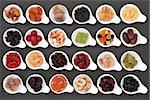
(125, 37)
(130, 37)
(134, 40)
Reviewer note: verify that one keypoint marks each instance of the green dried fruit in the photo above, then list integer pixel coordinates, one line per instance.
(130, 61)
(81, 37)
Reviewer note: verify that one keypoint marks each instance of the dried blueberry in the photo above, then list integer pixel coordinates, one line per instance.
(130, 84)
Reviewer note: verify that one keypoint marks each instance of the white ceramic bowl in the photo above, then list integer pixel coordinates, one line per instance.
(140, 65)
(43, 43)
(67, 41)
(44, 89)
(116, 67)
(21, 88)
(69, 66)
(68, 19)
(141, 89)
(22, 65)
(92, 90)
(117, 90)
(142, 18)
(92, 65)
(140, 39)
(90, 40)
(44, 66)
(115, 19)
(21, 18)
(44, 18)
(68, 89)
(91, 20)
(20, 45)
(115, 42)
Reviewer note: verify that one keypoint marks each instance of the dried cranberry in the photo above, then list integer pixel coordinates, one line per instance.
(107, 83)
(82, 61)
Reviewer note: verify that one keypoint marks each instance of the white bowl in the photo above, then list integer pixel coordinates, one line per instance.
(44, 89)
(115, 42)
(69, 66)
(43, 43)
(21, 88)
(91, 20)
(142, 18)
(92, 65)
(20, 45)
(140, 65)
(115, 19)
(116, 67)
(22, 65)
(44, 20)
(140, 39)
(117, 90)
(21, 18)
(68, 19)
(141, 89)
(68, 89)
(92, 90)
(44, 66)
(67, 42)
(90, 40)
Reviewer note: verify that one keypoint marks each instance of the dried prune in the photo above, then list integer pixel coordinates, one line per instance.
(35, 83)
(13, 37)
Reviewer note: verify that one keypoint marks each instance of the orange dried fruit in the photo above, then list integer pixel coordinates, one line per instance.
(38, 18)
(39, 10)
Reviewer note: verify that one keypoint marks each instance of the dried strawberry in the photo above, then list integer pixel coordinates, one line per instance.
(28, 38)
(34, 33)
(34, 43)
(39, 38)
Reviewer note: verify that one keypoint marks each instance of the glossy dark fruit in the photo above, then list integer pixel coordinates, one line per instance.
(130, 37)
(107, 83)
(112, 36)
(13, 37)
(99, 36)
(130, 34)
(36, 83)
(134, 40)
(82, 14)
(130, 84)
(59, 60)
(126, 38)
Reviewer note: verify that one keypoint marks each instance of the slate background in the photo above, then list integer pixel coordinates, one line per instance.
(143, 50)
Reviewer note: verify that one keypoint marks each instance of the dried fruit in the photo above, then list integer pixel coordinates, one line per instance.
(130, 37)
(82, 61)
(34, 38)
